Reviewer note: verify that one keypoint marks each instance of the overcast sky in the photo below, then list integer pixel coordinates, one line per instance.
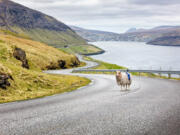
(110, 15)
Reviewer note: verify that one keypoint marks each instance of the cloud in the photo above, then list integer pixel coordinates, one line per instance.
(155, 2)
(112, 15)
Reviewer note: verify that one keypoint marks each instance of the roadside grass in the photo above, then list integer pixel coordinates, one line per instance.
(32, 83)
(28, 84)
(105, 65)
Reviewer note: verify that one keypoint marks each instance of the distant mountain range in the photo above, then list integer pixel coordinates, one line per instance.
(131, 30)
(96, 35)
(162, 35)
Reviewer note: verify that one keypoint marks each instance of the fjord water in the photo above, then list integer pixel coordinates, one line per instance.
(138, 55)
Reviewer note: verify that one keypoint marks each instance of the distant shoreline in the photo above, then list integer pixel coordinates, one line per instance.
(164, 45)
(97, 53)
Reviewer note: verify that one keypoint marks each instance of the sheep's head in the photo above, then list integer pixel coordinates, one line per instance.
(118, 73)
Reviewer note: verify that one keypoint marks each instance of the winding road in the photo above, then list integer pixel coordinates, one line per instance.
(150, 107)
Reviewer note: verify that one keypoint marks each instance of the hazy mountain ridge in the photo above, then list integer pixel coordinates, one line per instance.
(166, 41)
(140, 35)
(132, 30)
(148, 35)
(96, 35)
(133, 34)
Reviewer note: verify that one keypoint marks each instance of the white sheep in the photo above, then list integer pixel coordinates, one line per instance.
(123, 80)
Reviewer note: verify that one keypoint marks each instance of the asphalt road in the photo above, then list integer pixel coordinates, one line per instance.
(150, 107)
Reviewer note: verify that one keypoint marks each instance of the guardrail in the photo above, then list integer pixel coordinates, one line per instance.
(169, 73)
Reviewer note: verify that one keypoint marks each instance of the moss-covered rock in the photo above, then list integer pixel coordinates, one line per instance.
(20, 54)
(4, 83)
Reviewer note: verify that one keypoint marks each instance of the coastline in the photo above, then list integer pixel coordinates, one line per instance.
(163, 45)
(96, 53)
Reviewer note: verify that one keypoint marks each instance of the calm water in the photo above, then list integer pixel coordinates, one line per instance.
(135, 55)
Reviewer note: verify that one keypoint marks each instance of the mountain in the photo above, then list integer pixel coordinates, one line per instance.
(36, 25)
(96, 35)
(132, 30)
(147, 35)
(140, 35)
(171, 37)
(166, 41)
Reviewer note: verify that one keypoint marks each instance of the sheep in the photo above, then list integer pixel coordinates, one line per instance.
(123, 80)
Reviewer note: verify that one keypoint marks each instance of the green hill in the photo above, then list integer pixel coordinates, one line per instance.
(37, 26)
(21, 64)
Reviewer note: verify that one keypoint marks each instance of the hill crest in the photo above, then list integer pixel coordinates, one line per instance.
(13, 14)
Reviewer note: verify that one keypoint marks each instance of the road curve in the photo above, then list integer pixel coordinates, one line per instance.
(150, 107)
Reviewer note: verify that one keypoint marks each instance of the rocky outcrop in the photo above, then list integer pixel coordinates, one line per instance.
(4, 83)
(62, 64)
(75, 62)
(20, 54)
(52, 66)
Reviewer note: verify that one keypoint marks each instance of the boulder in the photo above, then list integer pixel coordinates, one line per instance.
(4, 83)
(75, 62)
(62, 64)
(20, 54)
(51, 66)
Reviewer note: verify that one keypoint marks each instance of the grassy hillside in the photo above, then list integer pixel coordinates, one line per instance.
(59, 40)
(51, 37)
(56, 39)
(32, 83)
(37, 26)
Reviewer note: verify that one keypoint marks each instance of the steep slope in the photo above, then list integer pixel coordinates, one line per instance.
(18, 82)
(36, 25)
